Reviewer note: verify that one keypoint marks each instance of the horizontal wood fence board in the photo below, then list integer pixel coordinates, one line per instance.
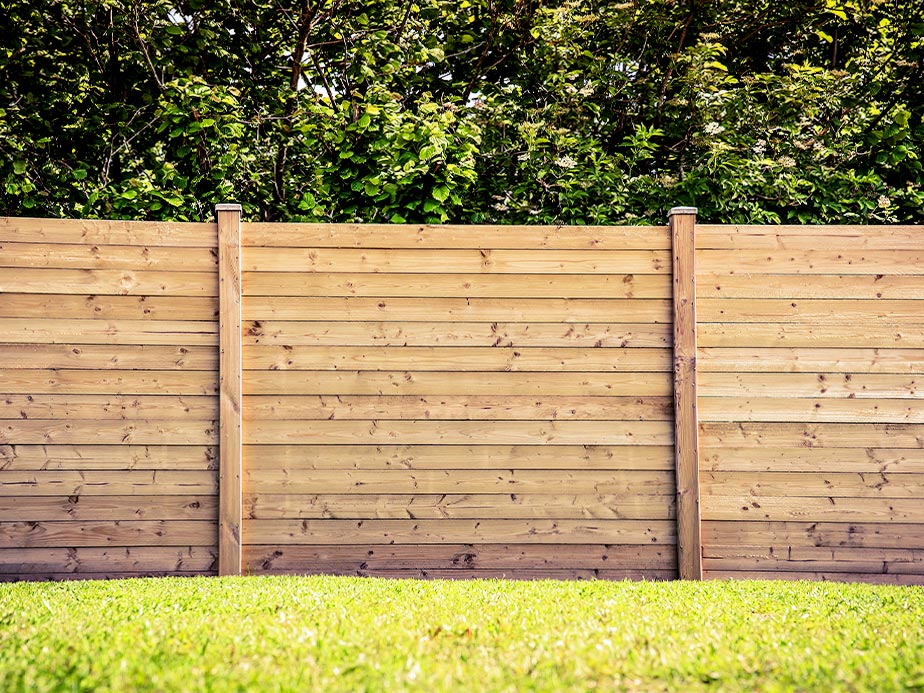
(788, 435)
(781, 334)
(80, 306)
(806, 286)
(810, 311)
(871, 571)
(83, 506)
(569, 574)
(259, 558)
(285, 532)
(300, 308)
(107, 483)
(459, 432)
(96, 357)
(745, 507)
(417, 382)
(108, 282)
(885, 535)
(457, 359)
(810, 385)
(632, 505)
(141, 432)
(108, 232)
(49, 576)
(115, 332)
(462, 407)
(871, 578)
(869, 460)
(61, 381)
(306, 458)
(815, 484)
(810, 410)
(116, 533)
(459, 481)
(110, 457)
(102, 560)
(895, 557)
(106, 257)
(449, 236)
(104, 407)
(785, 237)
(812, 261)
(468, 261)
(792, 360)
(466, 334)
(454, 285)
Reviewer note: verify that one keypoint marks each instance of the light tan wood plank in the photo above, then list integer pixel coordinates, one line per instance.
(108, 483)
(32, 508)
(746, 507)
(463, 407)
(818, 384)
(570, 574)
(44, 306)
(792, 237)
(305, 458)
(721, 284)
(826, 485)
(454, 236)
(300, 308)
(107, 382)
(417, 382)
(775, 334)
(448, 556)
(96, 357)
(879, 312)
(887, 535)
(104, 407)
(864, 460)
(156, 432)
(146, 332)
(108, 282)
(107, 232)
(99, 560)
(107, 257)
(828, 435)
(457, 359)
(87, 457)
(789, 360)
(813, 261)
(632, 506)
(821, 410)
(457, 285)
(872, 578)
(107, 575)
(78, 533)
(461, 481)
(474, 261)
(458, 432)
(456, 334)
(286, 532)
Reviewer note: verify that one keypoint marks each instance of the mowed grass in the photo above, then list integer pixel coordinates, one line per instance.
(332, 633)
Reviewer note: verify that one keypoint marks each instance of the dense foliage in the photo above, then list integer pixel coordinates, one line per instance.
(510, 111)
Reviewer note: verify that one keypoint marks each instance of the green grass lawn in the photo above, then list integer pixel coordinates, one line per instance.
(324, 633)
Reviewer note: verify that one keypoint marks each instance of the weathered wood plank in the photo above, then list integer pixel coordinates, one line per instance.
(631, 506)
(721, 284)
(812, 261)
(819, 384)
(462, 481)
(107, 382)
(745, 507)
(865, 460)
(493, 334)
(306, 458)
(107, 232)
(107, 257)
(820, 410)
(96, 357)
(108, 483)
(792, 237)
(459, 432)
(790, 435)
(79, 533)
(105, 407)
(458, 359)
(828, 485)
(415, 382)
(43, 306)
(141, 432)
(790, 360)
(32, 508)
(570, 574)
(80, 561)
(467, 261)
(890, 560)
(777, 334)
(28, 280)
(880, 312)
(107, 575)
(564, 310)
(116, 457)
(285, 532)
(145, 332)
(886, 535)
(461, 407)
(873, 578)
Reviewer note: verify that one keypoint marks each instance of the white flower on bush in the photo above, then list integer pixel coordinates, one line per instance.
(884, 202)
(760, 147)
(523, 157)
(713, 128)
(565, 162)
(787, 162)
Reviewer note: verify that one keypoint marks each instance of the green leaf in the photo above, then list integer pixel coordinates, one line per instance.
(80, 173)
(19, 167)
(441, 193)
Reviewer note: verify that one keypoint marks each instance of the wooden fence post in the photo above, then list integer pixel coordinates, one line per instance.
(230, 452)
(682, 222)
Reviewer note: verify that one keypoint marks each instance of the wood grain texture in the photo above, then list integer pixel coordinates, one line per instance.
(721, 284)
(884, 535)
(791, 237)
(105, 407)
(829, 485)
(112, 457)
(867, 460)
(34, 381)
(99, 307)
(746, 507)
(88, 560)
(116, 332)
(107, 232)
(811, 311)
(108, 282)
(106, 257)
(849, 260)
(810, 410)
(783, 334)
(108, 432)
(820, 384)
(98, 357)
(790, 435)
(33, 508)
(107, 483)
(115, 533)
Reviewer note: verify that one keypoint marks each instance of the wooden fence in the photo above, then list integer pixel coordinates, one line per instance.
(461, 402)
